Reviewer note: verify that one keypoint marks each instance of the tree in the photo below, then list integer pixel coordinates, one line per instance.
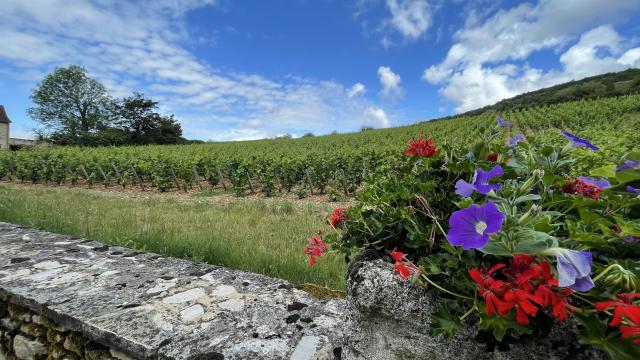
(71, 103)
(138, 118)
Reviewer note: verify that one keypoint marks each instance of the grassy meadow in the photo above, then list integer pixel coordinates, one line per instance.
(263, 236)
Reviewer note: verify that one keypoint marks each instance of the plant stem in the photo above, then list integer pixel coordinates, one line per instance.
(445, 290)
(473, 308)
(588, 302)
(606, 270)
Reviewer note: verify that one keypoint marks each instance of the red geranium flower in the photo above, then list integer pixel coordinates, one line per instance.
(493, 157)
(337, 217)
(623, 307)
(315, 248)
(630, 331)
(421, 148)
(626, 315)
(492, 290)
(528, 286)
(403, 266)
(524, 304)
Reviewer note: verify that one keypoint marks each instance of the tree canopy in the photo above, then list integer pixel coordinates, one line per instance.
(76, 109)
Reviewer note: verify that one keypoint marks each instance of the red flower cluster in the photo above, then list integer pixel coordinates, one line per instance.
(316, 248)
(493, 157)
(421, 147)
(626, 315)
(337, 217)
(584, 188)
(403, 266)
(525, 285)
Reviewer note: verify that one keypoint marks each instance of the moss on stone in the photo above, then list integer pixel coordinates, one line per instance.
(74, 343)
(321, 292)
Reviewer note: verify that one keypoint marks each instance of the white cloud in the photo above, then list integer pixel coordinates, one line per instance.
(357, 89)
(390, 81)
(379, 116)
(481, 66)
(400, 21)
(141, 46)
(411, 18)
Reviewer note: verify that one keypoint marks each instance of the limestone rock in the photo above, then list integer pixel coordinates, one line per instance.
(26, 349)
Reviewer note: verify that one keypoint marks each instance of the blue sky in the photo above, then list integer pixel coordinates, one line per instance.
(233, 70)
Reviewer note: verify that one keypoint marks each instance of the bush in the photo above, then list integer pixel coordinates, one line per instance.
(504, 231)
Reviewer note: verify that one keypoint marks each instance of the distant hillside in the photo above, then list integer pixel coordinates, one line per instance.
(606, 85)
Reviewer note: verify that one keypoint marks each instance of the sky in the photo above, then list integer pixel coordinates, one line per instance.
(250, 69)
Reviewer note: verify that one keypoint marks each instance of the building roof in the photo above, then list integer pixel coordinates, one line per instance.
(4, 119)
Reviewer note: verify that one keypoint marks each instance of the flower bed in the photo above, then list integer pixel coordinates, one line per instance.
(504, 233)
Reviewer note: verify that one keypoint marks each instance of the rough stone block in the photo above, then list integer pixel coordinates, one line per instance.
(26, 349)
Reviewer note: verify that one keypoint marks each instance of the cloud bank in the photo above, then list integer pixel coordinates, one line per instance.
(140, 46)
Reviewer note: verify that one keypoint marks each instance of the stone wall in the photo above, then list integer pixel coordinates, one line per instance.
(71, 298)
(147, 306)
(27, 335)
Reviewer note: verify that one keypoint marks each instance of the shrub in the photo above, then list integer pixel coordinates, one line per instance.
(504, 231)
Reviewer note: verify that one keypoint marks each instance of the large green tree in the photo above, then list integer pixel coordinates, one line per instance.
(137, 116)
(71, 104)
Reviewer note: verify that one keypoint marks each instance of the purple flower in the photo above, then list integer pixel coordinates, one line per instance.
(579, 142)
(513, 142)
(471, 227)
(629, 165)
(502, 122)
(480, 182)
(633, 190)
(632, 239)
(601, 183)
(574, 268)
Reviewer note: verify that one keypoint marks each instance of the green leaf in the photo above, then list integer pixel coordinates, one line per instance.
(628, 176)
(528, 197)
(548, 178)
(547, 150)
(595, 333)
(499, 325)
(533, 242)
(444, 322)
(607, 171)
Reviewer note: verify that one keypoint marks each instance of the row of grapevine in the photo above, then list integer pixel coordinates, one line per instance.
(317, 164)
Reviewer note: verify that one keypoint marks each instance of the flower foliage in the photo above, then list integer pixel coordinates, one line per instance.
(512, 228)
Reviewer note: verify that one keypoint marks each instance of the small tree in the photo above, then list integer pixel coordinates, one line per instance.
(71, 103)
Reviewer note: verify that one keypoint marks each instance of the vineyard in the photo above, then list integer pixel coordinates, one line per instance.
(333, 165)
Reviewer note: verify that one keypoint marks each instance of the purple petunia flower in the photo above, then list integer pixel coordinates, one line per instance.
(632, 239)
(574, 268)
(633, 190)
(471, 227)
(601, 183)
(480, 182)
(579, 142)
(629, 165)
(502, 122)
(513, 142)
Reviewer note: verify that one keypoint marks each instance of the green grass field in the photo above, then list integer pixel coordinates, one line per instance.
(263, 236)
